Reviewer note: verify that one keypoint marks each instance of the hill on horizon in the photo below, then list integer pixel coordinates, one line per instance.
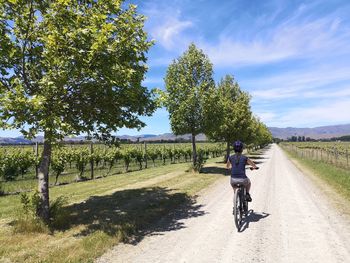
(323, 132)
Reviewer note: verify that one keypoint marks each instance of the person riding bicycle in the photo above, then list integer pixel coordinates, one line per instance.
(238, 161)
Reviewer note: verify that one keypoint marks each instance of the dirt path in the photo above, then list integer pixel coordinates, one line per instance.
(290, 221)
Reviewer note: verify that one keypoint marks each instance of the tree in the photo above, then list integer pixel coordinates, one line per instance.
(228, 114)
(189, 81)
(259, 134)
(70, 67)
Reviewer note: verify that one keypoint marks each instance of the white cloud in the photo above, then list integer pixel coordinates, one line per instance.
(325, 113)
(166, 25)
(229, 52)
(170, 32)
(305, 83)
(266, 117)
(291, 39)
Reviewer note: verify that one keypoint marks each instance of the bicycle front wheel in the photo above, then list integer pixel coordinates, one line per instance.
(237, 210)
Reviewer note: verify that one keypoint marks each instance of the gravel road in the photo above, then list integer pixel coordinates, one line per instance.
(291, 220)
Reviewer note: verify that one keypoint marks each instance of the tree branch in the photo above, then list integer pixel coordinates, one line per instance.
(5, 84)
(25, 78)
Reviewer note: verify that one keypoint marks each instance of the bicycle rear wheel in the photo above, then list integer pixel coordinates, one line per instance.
(237, 209)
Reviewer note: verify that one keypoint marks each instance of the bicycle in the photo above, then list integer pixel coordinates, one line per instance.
(240, 204)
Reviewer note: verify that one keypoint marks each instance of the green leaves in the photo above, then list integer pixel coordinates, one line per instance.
(228, 112)
(73, 67)
(229, 117)
(189, 80)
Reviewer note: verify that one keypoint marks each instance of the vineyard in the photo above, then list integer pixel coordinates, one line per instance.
(18, 165)
(336, 153)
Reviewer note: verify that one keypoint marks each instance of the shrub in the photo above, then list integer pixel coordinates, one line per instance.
(9, 168)
(57, 164)
(27, 220)
(58, 214)
(201, 159)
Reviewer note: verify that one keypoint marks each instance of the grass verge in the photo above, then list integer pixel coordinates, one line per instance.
(104, 212)
(337, 178)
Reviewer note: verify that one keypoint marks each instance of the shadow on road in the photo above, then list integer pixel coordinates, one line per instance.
(215, 170)
(257, 157)
(252, 217)
(130, 214)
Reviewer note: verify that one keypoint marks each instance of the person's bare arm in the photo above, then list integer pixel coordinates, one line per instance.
(228, 164)
(250, 162)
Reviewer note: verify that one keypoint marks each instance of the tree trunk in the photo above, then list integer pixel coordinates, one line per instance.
(43, 179)
(194, 150)
(227, 151)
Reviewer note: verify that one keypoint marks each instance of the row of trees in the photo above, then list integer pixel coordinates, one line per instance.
(196, 105)
(345, 138)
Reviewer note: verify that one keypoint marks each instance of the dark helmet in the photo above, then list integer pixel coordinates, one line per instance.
(238, 146)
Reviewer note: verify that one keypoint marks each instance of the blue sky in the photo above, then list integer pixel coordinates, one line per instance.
(293, 57)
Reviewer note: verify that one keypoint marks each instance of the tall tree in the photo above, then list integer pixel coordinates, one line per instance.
(189, 81)
(228, 114)
(69, 67)
(259, 134)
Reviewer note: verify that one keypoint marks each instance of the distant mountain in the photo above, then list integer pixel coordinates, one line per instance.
(18, 140)
(323, 132)
(160, 137)
(141, 138)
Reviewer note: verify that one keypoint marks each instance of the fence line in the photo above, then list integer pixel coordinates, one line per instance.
(333, 156)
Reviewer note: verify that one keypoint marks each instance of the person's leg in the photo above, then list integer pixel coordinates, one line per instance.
(248, 185)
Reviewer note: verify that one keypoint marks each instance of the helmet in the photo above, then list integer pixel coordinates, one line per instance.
(238, 146)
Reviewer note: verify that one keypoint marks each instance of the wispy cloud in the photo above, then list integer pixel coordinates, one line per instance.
(302, 83)
(168, 33)
(167, 25)
(313, 39)
(324, 113)
(266, 117)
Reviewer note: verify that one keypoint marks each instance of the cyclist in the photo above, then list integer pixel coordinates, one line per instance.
(238, 161)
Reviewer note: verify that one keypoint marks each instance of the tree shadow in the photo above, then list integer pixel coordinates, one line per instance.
(256, 162)
(257, 157)
(131, 214)
(252, 217)
(215, 170)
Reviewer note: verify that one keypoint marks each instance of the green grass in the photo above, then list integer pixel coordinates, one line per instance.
(79, 191)
(104, 212)
(337, 178)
